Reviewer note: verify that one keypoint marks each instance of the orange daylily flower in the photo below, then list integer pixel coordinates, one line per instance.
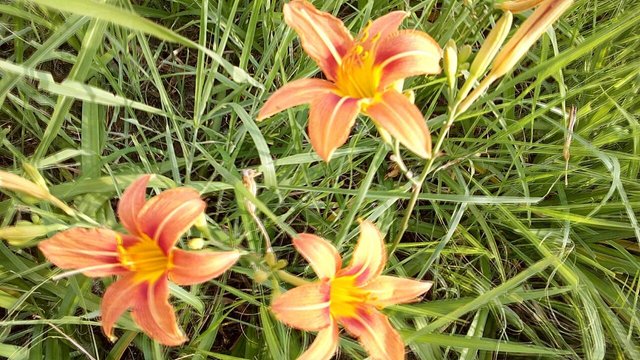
(360, 76)
(144, 259)
(349, 296)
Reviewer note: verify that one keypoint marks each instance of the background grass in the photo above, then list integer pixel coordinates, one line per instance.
(524, 265)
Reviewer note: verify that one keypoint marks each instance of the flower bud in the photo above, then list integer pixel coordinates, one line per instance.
(529, 32)
(25, 232)
(195, 243)
(451, 62)
(464, 53)
(21, 185)
(260, 276)
(491, 45)
(518, 6)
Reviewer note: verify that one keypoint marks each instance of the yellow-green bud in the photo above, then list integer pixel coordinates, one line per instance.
(528, 33)
(25, 232)
(260, 276)
(464, 53)
(195, 243)
(491, 45)
(451, 62)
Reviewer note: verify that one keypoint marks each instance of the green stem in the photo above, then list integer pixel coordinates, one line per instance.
(417, 186)
(292, 279)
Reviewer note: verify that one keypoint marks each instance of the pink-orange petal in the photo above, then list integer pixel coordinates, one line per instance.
(321, 255)
(323, 36)
(382, 27)
(116, 300)
(369, 256)
(390, 290)
(401, 119)
(376, 334)
(324, 346)
(305, 307)
(168, 215)
(131, 203)
(93, 250)
(155, 316)
(194, 267)
(331, 118)
(297, 92)
(407, 53)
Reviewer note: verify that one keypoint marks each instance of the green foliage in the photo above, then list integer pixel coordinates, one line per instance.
(96, 93)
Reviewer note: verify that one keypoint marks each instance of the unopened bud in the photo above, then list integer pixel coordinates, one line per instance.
(410, 95)
(260, 276)
(195, 243)
(451, 62)
(518, 6)
(491, 45)
(34, 174)
(464, 53)
(270, 259)
(529, 32)
(21, 185)
(25, 232)
(281, 264)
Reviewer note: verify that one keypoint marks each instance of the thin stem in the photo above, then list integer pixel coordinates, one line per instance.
(417, 186)
(292, 279)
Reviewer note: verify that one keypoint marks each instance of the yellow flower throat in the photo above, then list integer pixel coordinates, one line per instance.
(346, 297)
(145, 258)
(357, 76)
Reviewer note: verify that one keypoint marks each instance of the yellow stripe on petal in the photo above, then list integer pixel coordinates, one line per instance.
(402, 120)
(376, 334)
(321, 255)
(297, 92)
(323, 36)
(330, 121)
(305, 307)
(390, 290)
(324, 346)
(407, 53)
(369, 256)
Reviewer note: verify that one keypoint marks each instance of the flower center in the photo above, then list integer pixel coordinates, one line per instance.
(346, 297)
(357, 76)
(145, 258)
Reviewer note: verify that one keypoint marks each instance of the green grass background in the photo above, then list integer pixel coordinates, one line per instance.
(523, 265)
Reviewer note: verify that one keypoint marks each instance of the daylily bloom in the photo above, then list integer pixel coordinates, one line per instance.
(349, 296)
(361, 74)
(144, 259)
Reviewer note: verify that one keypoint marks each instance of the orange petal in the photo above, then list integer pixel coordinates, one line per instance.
(324, 346)
(295, 93)
(395, 114)
(131, 203)
(321, 255)
(390, 290)
(92, 250)
(155, 316)
(194, 267)
(330, 121)
(167, 216)
(369, 256)
(407, 53)
(323, 36)
(304, 307)
(116, 300)
(382, 27)
(376, 334)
